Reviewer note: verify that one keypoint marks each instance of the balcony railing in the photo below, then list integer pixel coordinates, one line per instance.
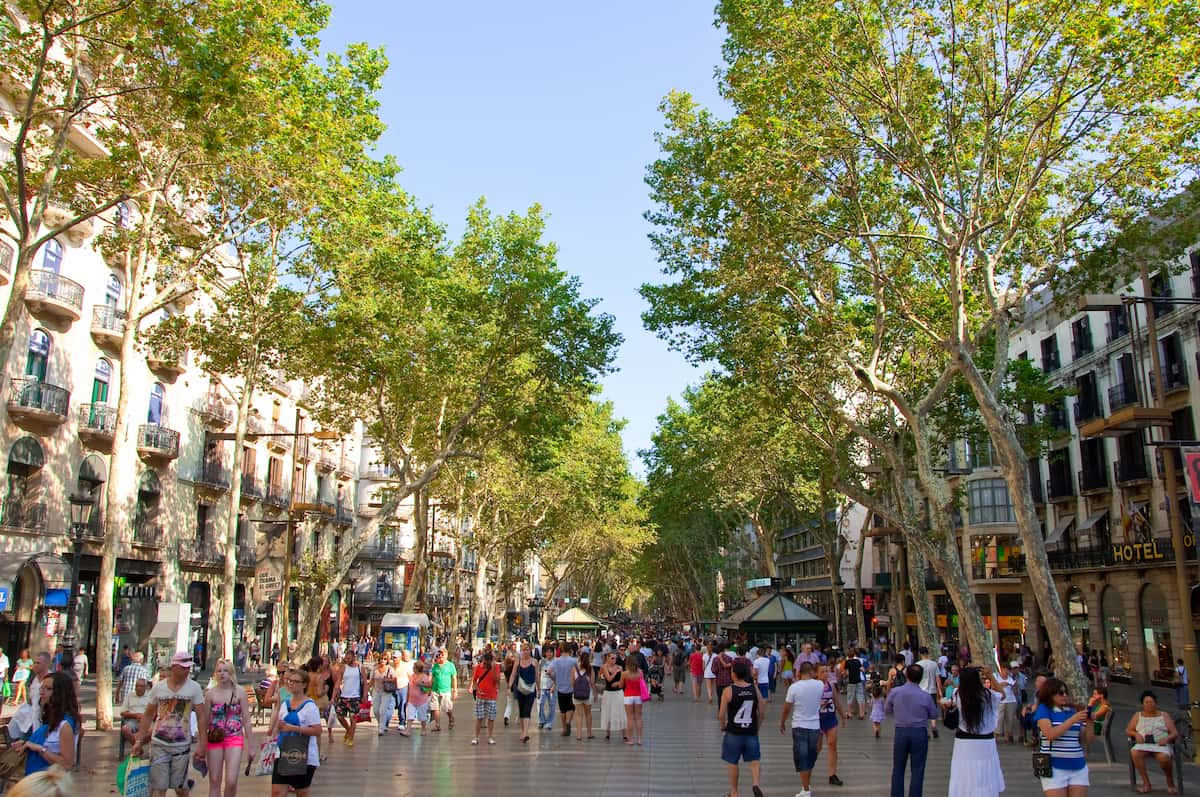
(343, 515)
(1122, 394)
(278, 496)
(1081, 344)
(1093, 478)
(214, 410)
(386, 552)
(49, 285)
(157, 440)
(981, 571)
(379, 596)
(23, 516)
(1050, 361)
(246, 555)
(97, 419)
(283, 442)
(1086, 559)
(1131, 469)
(213, 476)
(28, 396)
(1087, 408)
(326, 463)
(108, 323)
(346, 468)
(199, 551)
(380, 470)
(148, 535)
(1174, 377)
(1059, 487)
(252, 488)
(1117, 329)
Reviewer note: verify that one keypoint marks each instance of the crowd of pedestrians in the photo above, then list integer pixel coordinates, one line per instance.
(588, 687)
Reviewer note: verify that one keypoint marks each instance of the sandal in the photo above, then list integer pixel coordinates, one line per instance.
(1143, 789)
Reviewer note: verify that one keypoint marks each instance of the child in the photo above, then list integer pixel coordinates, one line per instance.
(741, 712)
(419, 688)
(877, 705)
(656, 676)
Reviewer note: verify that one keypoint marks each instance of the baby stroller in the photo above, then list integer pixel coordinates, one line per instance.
(656, 681)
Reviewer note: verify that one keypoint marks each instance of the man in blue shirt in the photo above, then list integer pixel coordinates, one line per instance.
(913, 708)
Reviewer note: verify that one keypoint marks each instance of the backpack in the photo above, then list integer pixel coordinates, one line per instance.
(583, 686)
(899, 678)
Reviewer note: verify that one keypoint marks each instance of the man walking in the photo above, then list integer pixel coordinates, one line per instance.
(445, 690)
(722, 667)
(347, 695)
(913, 709)
(562, 673)
(852, 670)
(931, 682)
(167, 727)
(802, 705)
(741, 711)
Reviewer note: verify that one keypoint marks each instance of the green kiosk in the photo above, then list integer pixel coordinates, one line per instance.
(576, 622)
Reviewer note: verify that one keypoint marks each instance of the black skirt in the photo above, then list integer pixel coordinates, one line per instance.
(295, 781)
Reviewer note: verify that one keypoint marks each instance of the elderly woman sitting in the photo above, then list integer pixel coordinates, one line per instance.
(1153, 733)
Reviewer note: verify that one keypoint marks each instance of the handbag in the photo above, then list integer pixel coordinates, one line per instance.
(215, 735)
(1043, 767)
(951, 718)
(525, 687)
(645, 691)
(389, 683)
(133, 777)
(264, 763)
(293, 755)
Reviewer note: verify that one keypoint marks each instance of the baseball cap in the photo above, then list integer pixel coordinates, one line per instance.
(182, 659)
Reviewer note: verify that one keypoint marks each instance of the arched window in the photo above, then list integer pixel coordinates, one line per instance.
(112, 293)
(38, 357)
(100, 381)
(52, 255)
(157, 397)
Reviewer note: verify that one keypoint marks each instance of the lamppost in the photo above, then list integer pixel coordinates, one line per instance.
(81, 506)
(536, 604)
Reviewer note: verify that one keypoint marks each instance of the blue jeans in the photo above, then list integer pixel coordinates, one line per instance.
(401, 705)
(546, 706)
(911, 743)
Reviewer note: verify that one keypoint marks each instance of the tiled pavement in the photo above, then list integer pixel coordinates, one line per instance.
(681, 757)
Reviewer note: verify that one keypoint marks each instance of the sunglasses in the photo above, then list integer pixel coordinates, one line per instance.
(1062, 692)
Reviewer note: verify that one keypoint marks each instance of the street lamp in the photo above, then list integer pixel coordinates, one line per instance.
(81, 507)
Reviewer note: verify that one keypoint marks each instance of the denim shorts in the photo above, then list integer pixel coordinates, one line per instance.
(740, 746)
(804, 748)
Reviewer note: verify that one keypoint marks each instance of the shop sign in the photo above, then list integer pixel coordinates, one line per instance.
(138, 591)
(4, 593)
(1141, 552)
(270, 586)
(1012, 622)
(868, 603)
(52, 617)
(883, 619)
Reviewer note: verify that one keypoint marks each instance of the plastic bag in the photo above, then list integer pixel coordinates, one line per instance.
(133, 777)
(264, 761)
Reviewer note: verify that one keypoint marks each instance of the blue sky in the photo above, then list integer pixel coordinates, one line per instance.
(555, 103)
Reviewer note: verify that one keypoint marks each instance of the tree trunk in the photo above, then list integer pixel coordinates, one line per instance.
(1016, 475)
(860, 614)
(766, 545)
(481, 592)
(308, 620)
(413, 593)
(14, 309)
(228, 584)
(927, 633)
(116, 495)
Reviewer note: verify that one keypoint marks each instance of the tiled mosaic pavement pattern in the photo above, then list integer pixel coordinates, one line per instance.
(681, 756)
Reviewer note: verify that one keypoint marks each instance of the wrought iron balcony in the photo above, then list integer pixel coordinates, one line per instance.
(1174, 378)
(26, 517)
(983, 571)
(346, 468)
(326, 462)
(199, 552)
(157, 442)
(1087, 407)
(30, 399)
(1122, 394)
(214, 411)
(1131, 469)
(6, 261)
(97, 423)
(148, 535)
(1086, 559)
(166, 362)
(1094, 477)
(385, 552)
(380, 471)
(344, 516)
(213, 476)
(1059, 487)
(52, 295)
(278, 496)
(108, 326)
(283, 443)
(252, 488)
(246, 555)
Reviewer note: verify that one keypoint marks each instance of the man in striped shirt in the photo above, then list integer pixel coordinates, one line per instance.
(130, 674)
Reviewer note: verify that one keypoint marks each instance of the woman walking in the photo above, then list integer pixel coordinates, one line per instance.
(612, 703)
(546, 700)
(20, 677)
(1153, 734)
(383, 691)
(633, 684)
(1064, 731)
(827, 714)
(53, 742)
(522, 685)
(975, 764)
(583, 705)
(419, 687)
(297, 716)
(710, 677)
(228, 733)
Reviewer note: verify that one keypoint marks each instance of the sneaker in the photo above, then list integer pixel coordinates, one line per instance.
(935, 733)
(491, 741)
(834, 780)
(474, 741)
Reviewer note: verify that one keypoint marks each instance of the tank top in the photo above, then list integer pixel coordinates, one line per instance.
(633, 687)
(610, 684)
(228, 716)
(741, 716)
(352, 682)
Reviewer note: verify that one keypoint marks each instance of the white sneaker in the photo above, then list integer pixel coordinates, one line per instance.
(491, 741)
(474, 741)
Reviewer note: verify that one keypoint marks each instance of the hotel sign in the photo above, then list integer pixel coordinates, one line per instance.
(1140, 552)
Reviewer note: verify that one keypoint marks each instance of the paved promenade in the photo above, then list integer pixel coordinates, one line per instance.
(681, 757)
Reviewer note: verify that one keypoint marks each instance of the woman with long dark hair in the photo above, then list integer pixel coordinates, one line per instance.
(54, 740)
(975, 764)
(522, 683)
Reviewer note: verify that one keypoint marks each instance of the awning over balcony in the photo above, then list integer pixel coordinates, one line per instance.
(1093, 520)
(1057, 534)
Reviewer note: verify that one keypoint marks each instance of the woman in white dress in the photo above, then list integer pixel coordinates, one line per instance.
(1154, 734)
(710, 677)
(612, 704)
(975, 764)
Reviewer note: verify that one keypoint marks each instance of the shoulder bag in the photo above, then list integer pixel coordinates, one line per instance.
(293, 747)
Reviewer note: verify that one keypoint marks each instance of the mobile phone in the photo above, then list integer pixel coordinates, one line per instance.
(1149, 737)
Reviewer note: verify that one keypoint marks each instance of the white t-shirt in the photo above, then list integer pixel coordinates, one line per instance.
(404, 671)
(908, 657)
(1006, 683)
(929, 676)
(752, 653)
(708, 660)
(943, 665)
(762, 669)
(308, 715)
(4, 664)
(172, 722)
(805, 697)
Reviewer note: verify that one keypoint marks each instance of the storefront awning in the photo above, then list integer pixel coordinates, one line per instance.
(1059, 530)
(1092, 520)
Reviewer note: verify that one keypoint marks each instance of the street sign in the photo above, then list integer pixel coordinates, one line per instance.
(758, 583)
